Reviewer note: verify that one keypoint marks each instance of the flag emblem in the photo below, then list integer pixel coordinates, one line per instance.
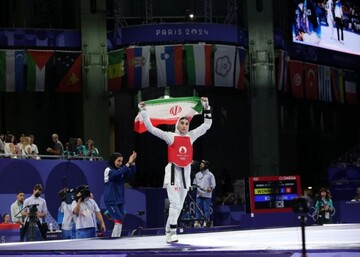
(223, 66)
(175, 110)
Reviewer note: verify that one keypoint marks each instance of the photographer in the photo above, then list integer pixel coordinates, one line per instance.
(86, 211)
(35, 212)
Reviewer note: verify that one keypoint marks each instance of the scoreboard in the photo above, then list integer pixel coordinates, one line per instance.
(273, 193)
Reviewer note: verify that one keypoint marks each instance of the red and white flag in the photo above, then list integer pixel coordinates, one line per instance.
(167, 111)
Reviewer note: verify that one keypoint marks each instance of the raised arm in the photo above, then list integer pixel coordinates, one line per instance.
(149, 126)
(201, 130)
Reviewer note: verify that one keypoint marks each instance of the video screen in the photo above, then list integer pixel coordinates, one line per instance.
(273, 193)
(330, 24)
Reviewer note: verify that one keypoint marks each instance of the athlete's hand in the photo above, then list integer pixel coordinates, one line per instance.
(142, 106)
(205, 103)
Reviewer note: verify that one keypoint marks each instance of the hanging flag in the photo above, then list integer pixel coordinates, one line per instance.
(167, 111)
(138, 64)
(39, 70)
(224, 65)
(350, 87)
(281, 57)
(240, 68)
(68, 72)
(169, 65)
(337, 82)
(12, 70)
(297, 78)
(324, 82)
(115, 70)
(311, 81)
(198, 64)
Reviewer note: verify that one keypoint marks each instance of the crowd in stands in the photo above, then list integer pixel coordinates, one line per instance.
(25, 147)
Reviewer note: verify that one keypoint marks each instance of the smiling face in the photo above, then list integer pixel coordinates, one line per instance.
(118, 161)
(183, 125)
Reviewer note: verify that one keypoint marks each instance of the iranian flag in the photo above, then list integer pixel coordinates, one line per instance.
(198, 64)
(167, 111)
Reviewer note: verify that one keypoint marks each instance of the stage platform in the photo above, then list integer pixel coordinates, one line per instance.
(340, 240)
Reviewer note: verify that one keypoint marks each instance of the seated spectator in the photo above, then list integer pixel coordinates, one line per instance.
(34, 148)
(80, 147)
(9, 148)
(2, 143)
(57, 148)
(68, 152)
(357, 196)
(91, 150)
(26, 148)
(6, 218)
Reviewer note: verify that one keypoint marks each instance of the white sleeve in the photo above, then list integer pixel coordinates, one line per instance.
(201, 130)
(156, 131)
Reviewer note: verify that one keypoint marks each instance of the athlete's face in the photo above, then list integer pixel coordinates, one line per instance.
(118, 162)
(183, 126)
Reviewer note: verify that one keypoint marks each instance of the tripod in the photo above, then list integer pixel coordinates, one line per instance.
(302, 224)
(32, 224)
(185, 217)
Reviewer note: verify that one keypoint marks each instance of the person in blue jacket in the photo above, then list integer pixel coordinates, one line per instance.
(114, 194)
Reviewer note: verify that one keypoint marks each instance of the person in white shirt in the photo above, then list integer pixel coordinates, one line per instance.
(205, 183)
(34, 148)
(36, 204)
(16, 211)
(68, 224)
(86, 210)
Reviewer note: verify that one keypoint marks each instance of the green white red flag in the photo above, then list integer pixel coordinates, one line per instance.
(167, 111)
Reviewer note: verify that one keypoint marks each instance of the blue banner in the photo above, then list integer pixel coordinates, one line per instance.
(176, 33)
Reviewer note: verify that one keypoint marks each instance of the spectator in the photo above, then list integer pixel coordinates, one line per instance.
(2, 143)
(91, 150)
(16, 211)
(19, 145)
(6, 218)
(357, 196)
(324, 207)
(57, 148)
(34, 148)
(9, 148)
(68, 152)
(79, 148)
(26, 148)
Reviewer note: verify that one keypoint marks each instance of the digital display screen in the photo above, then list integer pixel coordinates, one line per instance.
(330, 24)
(273, 193)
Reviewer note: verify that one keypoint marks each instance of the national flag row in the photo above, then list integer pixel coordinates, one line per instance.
(177, 65)
(40, 70)
(316, 82)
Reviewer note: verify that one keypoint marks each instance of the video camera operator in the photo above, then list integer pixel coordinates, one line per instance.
(68, 223)
(86, 210)
(35, 211)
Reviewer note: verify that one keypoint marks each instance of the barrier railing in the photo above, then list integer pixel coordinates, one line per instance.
(55, 157)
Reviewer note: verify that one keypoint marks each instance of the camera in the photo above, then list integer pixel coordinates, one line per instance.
(84, 190)
(71, 194)
(33, 210)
